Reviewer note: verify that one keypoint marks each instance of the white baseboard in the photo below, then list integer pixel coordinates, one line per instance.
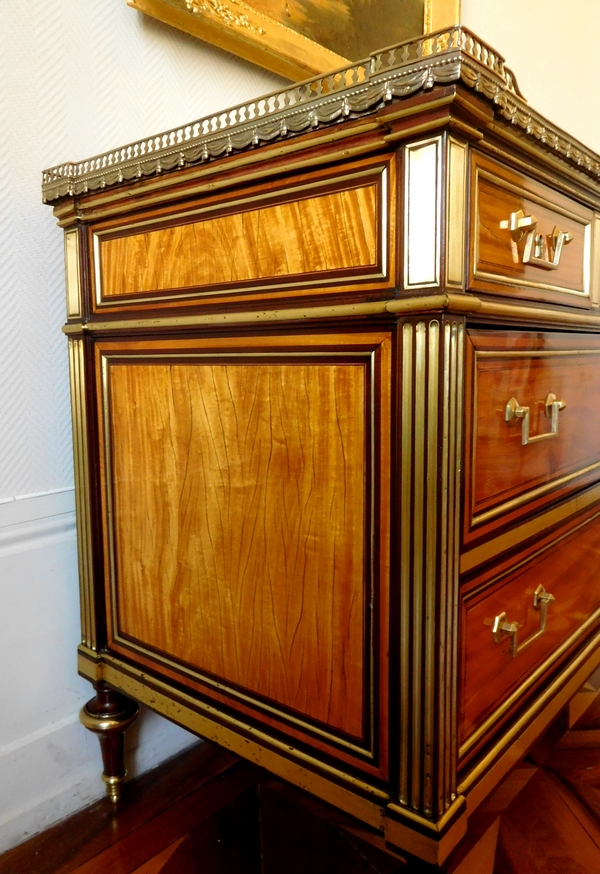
(46, 777)
(50, 766)
(56, 772)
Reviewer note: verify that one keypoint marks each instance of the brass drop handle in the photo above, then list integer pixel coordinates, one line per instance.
(536, 245)
(553, 406)
(503, 628)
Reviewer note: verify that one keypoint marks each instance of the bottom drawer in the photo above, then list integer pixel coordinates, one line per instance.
(519, 618)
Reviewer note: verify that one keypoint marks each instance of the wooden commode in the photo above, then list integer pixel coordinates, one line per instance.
(335, 362)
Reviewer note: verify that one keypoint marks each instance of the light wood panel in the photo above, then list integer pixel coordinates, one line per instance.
(239, 497)
(332, 231)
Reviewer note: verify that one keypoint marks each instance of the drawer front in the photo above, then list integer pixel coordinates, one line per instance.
(527, 240)
(510, 373)
(318, 234)
(498, 669)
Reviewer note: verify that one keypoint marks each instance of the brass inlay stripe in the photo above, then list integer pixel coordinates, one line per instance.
(536, 353)
(74, 310)
(438, 301)
(433, 827)
(248, 699)
(595, 262)
(529, 528)
(465, 304)
(588, 259)
(541, 669)
(456, 213)
(457, 455)
(82, 491)
(431, 569)
(109, 498)
(418, 572)
(405, 555)
(374, 545)
(384, 236)
(523, 313)
(192, 713)
(79, 487)
(444, 729)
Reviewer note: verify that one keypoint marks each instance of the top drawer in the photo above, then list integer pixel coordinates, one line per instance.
(318, 233)
(526, 239)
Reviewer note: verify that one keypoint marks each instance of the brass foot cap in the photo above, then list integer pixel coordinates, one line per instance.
(114, 786)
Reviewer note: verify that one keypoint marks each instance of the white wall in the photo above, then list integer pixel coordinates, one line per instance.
(76, 77)
(552, 47)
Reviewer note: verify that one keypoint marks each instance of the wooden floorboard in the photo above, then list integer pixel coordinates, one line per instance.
(66, 846)
(151, 838)
(542, 831)
(207, 812)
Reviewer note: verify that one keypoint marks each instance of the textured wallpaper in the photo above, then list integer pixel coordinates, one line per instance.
(551, 46)
(76, 77)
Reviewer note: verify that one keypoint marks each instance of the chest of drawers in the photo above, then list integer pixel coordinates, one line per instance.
(335, 366)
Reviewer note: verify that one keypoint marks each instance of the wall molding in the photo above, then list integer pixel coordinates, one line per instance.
(33, 521)
(56, 770)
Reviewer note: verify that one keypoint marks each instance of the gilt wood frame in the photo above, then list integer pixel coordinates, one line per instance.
(239, 29)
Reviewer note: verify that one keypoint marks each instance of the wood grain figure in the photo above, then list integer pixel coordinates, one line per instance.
(329, 232)
(240, 497)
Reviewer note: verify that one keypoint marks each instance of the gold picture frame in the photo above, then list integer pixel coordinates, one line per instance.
(276, 35)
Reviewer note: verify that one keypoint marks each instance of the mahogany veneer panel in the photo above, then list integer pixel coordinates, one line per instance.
(239, 501)
(497, 259)
(310, 235)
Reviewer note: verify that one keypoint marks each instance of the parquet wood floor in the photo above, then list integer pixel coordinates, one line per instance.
(206, 812)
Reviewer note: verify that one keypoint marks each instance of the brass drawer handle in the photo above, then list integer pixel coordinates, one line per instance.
(536, 245)
(503, 628)
(553, 406)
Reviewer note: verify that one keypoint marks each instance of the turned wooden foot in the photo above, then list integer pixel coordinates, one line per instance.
(108, 715)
